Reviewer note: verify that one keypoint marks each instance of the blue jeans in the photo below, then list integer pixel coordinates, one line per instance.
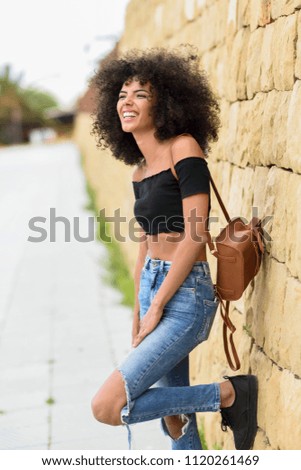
(161, 359)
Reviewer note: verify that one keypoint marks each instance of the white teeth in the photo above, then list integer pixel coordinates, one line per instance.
(129, 114)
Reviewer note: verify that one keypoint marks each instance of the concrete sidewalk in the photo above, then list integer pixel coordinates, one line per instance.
(62, 330)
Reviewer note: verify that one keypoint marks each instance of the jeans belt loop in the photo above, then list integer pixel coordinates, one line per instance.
(206, 270)
(147, 262)
(161, 269)
(155, 274)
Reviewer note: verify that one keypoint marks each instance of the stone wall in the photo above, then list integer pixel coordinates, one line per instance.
(251, 51)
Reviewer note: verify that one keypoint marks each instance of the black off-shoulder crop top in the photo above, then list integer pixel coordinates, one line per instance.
(158, 204)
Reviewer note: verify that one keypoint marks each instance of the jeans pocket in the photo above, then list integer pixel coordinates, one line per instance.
(209, 310)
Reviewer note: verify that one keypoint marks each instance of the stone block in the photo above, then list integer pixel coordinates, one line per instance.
(283, 7)
(283, 407)
(220, 11)
(260, 13)
(242, 142)
(253, 65)
(291, 328)
(252, 126)
(278, 392)
(240, 193)
(261, 366)
(247, 176)
(260, 201)
(137, 14)
(293, 220)
(243, 13)
(231, 69)
(266, 59)
(265, 13)
(173, 17)
(283, 52)
(242, 69)
(235, 192)
(268, 126)
(268, 305)
(242, 154)
(158, 19)
(232, 17)
(236, 66)
(278, 188)
(298, 49)
(215, 16)
(190, 9)
(214, 63)
(255, 12)
(200, 6)
(279, 141)
(230, 142)
(272, 313)
(293, 149)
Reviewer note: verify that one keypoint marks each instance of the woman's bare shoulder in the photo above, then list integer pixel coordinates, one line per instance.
(185, 145)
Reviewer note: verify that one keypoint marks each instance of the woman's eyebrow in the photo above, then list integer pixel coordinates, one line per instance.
(136, 91)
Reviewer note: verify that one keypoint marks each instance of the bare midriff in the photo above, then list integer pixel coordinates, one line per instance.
(164, 245)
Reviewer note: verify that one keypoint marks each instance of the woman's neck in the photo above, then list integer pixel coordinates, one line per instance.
(150, 147)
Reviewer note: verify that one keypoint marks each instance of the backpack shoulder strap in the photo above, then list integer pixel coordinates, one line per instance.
(220, 200)
(228, 325)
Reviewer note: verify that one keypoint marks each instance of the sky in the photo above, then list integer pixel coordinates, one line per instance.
(55, 44)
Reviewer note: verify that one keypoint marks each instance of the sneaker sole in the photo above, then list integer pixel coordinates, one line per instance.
(253, 398)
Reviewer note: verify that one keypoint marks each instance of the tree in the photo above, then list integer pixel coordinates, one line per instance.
(21, 109)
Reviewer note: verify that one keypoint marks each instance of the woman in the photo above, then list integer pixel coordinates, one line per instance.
(156, 110)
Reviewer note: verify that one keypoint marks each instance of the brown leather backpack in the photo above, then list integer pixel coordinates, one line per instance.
(238, 249)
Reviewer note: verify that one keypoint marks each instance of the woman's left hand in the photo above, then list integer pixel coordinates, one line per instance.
(148, 323)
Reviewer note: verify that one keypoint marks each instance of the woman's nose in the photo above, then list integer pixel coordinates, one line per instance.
(129, 100)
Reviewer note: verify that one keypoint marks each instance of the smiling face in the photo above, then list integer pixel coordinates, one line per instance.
(134, 107)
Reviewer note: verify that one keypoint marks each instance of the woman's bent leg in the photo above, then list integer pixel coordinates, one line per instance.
(172, 340)
(186, 321)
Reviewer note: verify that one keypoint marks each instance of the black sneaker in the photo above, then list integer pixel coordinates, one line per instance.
(241, 417)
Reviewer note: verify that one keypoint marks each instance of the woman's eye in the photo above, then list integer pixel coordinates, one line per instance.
(141, 96)
(121, 97)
